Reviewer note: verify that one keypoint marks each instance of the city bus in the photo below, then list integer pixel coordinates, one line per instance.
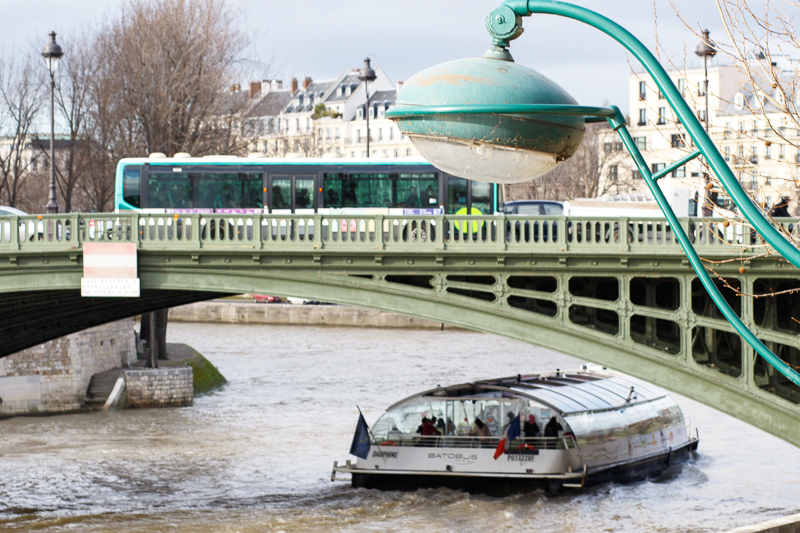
(236, 185)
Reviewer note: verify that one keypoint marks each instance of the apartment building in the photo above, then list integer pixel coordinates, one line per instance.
(762, 159)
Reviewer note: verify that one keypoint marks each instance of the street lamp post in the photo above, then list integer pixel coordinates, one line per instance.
(52, 53)
(706, 51)
(367, 75)
(452, 115)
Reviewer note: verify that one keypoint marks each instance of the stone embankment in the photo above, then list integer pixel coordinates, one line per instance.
(244, 312)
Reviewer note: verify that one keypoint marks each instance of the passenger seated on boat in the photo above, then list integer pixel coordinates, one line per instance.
(481, 430)
(440, 425)
(551, 431)
(395, 434)
(463, 428)
(428, 433)
(531, 428)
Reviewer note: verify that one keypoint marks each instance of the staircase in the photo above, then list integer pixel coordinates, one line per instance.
(100, 387)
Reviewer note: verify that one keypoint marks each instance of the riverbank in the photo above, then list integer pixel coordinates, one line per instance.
(231, 311)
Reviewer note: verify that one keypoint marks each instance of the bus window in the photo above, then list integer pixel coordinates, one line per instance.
(221, 191)
(481, 197)
(332, 187)
(303, 193)
(367, 190)
(130, 185)
(281, 193)
(253, 196)
(456, 194)
(169, 190)
(418, 190)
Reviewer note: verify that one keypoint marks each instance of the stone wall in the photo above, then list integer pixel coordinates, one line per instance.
(159, 387)
(239, 312)
(54, 376)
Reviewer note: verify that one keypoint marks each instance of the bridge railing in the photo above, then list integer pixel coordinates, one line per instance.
(370, 233)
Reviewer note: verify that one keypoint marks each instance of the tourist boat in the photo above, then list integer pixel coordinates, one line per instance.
(603, 426)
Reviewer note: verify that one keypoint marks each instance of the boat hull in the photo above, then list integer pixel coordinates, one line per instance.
(487, 483)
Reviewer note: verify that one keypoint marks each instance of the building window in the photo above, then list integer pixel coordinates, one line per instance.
(739, 153)
(319, 134)
(755, 126)
(337, 134)
(782, 151)
(642, 91)
(380, 134)
(727, 129)
(701, 89)
(754, 156)
(681, 85)
(754, 180)
(397, 153)
(613, 173)
(328, 134)
(338, 151)
(727, 153)
(352, 154)
(391, 133)
(702, 115)
(371, 112)
(658, 167)
(662, 115)
(408, 152)
(679, 172)
(641, 142)
(642, 117)
(767, 152)
(358, 136)
(360, 114)
(660, 95)
(677, 141)
(635, 174)
(768, 178)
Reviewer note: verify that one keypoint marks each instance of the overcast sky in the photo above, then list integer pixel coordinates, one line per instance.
(321, 38)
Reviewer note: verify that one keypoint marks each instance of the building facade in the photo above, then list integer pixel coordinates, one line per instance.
(756, 139)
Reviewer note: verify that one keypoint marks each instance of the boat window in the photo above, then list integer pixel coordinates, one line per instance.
(171, 190)
(408, 417)
(417, 190)
(645, 418)
(597, 427)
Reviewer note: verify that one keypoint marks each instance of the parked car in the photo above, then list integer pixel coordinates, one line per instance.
(266, 299)
(30, 231)
(538, 208)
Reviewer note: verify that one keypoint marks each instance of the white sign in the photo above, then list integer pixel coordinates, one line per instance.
(125, 287)
(110, 269)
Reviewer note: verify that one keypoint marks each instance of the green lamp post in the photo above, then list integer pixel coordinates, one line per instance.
(489, 119)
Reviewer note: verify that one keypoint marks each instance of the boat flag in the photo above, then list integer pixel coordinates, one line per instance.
(360, 446)
(512, 432)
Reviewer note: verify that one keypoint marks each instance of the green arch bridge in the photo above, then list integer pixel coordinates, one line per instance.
(614, 291)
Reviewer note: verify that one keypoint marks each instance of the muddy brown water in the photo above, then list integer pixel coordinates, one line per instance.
(256, 456)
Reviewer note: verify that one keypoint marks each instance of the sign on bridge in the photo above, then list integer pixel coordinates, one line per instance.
(109, 269)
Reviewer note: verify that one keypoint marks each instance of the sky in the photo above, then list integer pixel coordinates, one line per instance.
(321, 39)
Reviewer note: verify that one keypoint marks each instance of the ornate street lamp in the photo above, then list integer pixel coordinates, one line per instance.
(52, 53)
(367, 75)
(706, 51)
(489, 119)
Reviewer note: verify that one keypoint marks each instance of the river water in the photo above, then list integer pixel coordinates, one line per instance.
(257, 455)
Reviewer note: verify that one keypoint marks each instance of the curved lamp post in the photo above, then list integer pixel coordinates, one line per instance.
(52, 53)
(491, 120)
(367, 75)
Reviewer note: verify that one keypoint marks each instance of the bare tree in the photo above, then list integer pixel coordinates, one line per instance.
(20, 103)
(170, 63)
(583, 174)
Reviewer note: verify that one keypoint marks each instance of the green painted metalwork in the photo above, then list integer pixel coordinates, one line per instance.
(504, 24)
(673, 166)
(614, 291)
(522, 109)
(488, 82)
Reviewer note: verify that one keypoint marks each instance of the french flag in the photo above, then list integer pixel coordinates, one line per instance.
(512, 432)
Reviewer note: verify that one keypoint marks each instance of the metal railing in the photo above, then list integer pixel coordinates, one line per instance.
(371, 233)
(522, 445)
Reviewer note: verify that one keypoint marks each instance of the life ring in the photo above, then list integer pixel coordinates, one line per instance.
(388, 443)
(525, 447)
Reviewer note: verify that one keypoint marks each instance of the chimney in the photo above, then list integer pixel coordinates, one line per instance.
(277, 84)
(306, 83)
(235, 88)
(255, 89)
(266, 87)
(294, 85)
(399, 85)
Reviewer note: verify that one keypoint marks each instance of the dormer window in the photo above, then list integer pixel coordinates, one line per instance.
(371, 112)
(738, 100)
(381, 112)
(360, 114)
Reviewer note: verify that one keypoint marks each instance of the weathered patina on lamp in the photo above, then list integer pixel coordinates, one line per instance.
(495, 147)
